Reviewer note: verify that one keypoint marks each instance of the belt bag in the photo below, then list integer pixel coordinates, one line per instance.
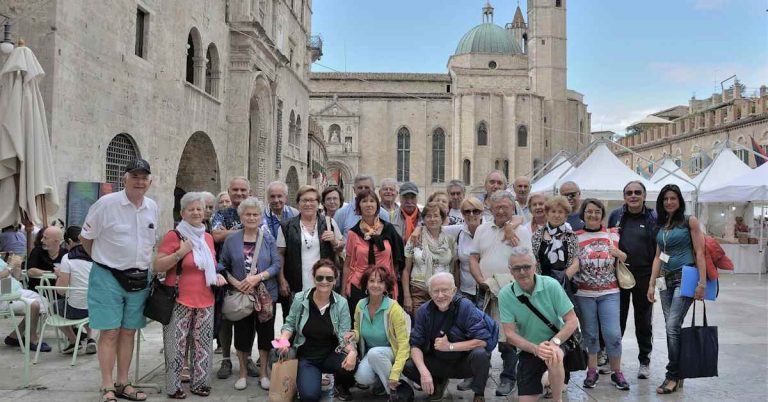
(132, 280)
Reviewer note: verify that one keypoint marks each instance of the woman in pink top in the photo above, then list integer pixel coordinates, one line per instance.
(193, 312)
(370, 242)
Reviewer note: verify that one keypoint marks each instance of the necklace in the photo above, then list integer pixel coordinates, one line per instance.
(307, 235)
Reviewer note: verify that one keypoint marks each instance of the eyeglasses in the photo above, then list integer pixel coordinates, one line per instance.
(326, 278)
(308, 201)
(520, 268)
(571, 195)
(445, 291)
(633, 192)
(472, 212)
(456, 193)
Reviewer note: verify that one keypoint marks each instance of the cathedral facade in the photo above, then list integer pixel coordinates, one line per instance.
(503, 104)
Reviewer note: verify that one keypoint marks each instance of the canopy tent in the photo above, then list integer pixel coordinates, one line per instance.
(752, 186)
(725, 168)
(669, 173)
(560, 167)
(602, 175)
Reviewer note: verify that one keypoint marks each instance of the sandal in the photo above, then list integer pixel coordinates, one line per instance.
(547, 392)
(105, 398)
(663, 390)
(202, 391)
(122, 393)
(178, 395)
(185, 376)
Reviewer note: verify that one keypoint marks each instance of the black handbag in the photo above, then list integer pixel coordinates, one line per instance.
(699, 348)
(162, 298)
(575, 357)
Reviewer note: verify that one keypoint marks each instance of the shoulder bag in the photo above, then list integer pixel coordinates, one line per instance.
(623, 275)
(238, 305)
(575, 357)
(162, 298)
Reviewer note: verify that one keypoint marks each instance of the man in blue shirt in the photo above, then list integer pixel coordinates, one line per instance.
(572, 192)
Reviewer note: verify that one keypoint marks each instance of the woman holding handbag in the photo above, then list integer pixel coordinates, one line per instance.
(597, 291)
(191, 247)
(679, 242)
(318, 320)
(250, 263)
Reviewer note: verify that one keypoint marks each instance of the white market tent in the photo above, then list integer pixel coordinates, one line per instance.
(602, 175)
(752, 186)
(725, 168)
(546, 183)
(669, 173)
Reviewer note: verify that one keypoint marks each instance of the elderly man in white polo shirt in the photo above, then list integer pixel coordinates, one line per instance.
(119, 233)
(489, 254)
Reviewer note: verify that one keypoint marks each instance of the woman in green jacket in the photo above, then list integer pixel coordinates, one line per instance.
(319, 319)
(381, 327)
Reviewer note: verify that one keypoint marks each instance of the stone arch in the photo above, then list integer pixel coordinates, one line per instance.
(259, 126)
(122, 149)
(212, 71)
(195, 59)
(198, 169)
(345, 177)
(292, 181)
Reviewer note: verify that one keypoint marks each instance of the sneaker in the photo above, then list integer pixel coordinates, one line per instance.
(439, 391)
(644, 372)
(241, 384)
(602, 358)
(361, 386)
(264, 383)
(379, 390)
(618, 380)
(342, 393)
(253, 370)
(43, 347)
(90, 346)
(226, 369)
(71, 348)
(505, 387)
(465, 385)
(592, 378)
(10, 341)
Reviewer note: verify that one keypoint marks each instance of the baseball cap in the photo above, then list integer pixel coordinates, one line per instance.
(137, 164)
(409, 188)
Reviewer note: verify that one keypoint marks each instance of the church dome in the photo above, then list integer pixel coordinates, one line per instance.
(488, 38)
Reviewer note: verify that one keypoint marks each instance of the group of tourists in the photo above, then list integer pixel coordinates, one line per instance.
(377, 292)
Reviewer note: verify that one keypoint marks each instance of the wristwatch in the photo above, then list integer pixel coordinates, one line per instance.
(556, 340)
(450, 347)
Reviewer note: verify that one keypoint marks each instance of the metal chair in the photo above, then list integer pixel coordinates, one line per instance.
(57, 321)
(6, 311)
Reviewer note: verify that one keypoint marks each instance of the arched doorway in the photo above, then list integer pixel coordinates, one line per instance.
(292, 181)
(198, 170)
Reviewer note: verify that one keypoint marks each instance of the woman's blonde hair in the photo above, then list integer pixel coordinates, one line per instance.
(558, 201)
(472, 202)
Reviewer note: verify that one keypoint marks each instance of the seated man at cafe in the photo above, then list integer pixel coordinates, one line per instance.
(37, 305)
(46, 255)
(540, 348)
(450, 338)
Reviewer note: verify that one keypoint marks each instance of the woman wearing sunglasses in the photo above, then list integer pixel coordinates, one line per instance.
(318, 320)
(679, 242)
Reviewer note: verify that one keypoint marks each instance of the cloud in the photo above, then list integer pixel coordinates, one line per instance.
(618, 120)
(707, 4)
(697, 76)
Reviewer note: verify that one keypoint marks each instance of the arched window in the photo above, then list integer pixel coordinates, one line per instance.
(121, 150)
(697, 161)
(298, 131)
(292, 128)
(403, 155)
(496, 165)
(678, 159)
(522, 136)
(741, 151)
(334, 134)
(482, 134)
(438, 155)
(506, 168)
(195, 60)
(466, 171)
(212, 71)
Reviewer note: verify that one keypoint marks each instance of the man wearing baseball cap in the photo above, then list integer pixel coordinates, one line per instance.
(407, 217)
(119, 233)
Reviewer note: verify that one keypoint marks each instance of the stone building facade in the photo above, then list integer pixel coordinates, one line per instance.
(693, 135)
(503, 104)
(202, 89)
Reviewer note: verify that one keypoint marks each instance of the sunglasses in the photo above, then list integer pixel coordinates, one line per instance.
(520, 268)
(571, 195)
(456, 193)
(471, 212)
(326, 278)
(633, 192)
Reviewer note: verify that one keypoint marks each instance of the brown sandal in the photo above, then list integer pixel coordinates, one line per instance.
(178, 395)
(131, 396)
(105, 398)
(202, 391)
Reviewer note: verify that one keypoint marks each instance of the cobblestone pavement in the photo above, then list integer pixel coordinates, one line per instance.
(741, 313)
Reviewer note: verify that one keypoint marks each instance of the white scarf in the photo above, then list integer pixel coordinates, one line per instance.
(200, 251)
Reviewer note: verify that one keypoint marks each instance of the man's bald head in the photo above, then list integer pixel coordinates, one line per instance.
(52, 238)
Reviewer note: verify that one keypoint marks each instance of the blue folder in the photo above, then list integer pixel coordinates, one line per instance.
(691, 280)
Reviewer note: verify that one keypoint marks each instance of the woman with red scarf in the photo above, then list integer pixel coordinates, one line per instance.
(370, 242)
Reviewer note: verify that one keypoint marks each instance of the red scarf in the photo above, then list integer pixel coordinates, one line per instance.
(411, 220)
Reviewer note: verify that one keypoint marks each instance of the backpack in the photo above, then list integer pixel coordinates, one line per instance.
(490, 324)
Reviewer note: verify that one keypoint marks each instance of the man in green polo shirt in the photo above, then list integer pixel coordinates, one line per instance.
(539, 347)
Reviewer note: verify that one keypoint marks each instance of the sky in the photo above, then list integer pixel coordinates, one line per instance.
(628, 58)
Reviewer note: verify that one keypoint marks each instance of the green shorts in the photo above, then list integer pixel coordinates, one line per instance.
(110, 306)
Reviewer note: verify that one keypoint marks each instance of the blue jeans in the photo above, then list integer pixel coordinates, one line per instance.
(607, 308)
(309, 373)
(675, 307)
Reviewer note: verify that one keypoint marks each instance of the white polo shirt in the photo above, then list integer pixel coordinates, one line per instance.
(123, 235)
(494, 252)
